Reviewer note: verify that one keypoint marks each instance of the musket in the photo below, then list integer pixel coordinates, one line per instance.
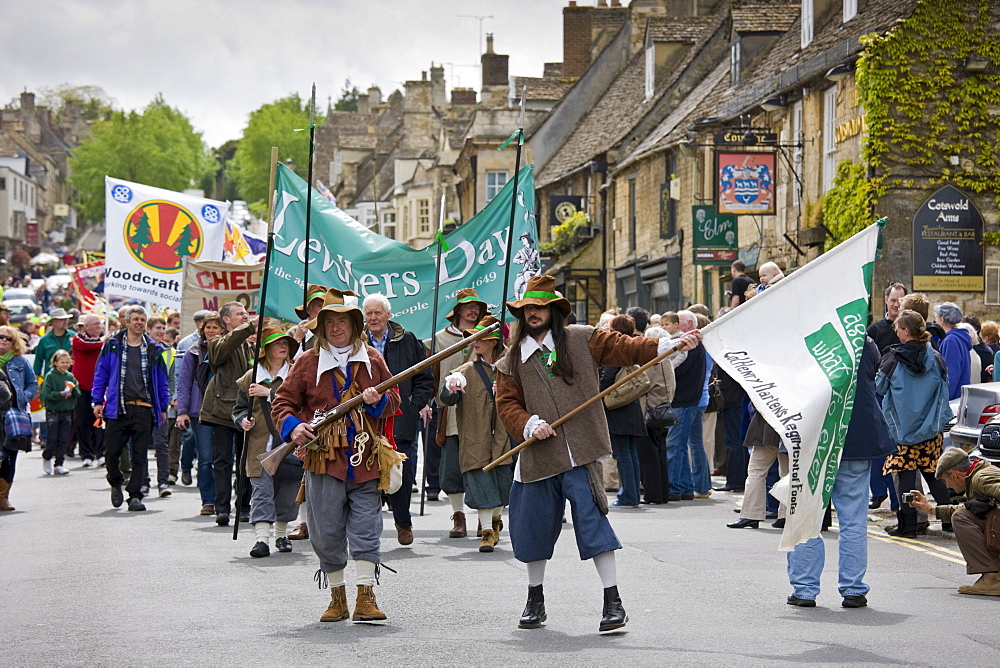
(576, 411)
(271, 459)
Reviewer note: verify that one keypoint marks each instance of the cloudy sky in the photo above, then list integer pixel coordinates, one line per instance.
(218, 60)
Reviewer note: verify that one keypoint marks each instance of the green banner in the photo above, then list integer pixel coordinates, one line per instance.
(346, 255)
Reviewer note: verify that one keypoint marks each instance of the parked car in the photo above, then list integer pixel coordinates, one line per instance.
(19, 293)
(978, 404)
(20, 310)
(988, 447)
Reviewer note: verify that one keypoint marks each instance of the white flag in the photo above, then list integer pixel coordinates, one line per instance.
(795, 349)
(149, 233)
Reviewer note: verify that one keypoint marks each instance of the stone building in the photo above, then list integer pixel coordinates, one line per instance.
(35, 149)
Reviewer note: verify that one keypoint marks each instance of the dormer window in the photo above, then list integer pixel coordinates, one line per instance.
(807, 22)
(850, 9)
(650, 70)
(735, 56)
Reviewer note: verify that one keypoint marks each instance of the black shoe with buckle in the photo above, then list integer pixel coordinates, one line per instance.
(614, 615)
(534, 609)
(283, 544)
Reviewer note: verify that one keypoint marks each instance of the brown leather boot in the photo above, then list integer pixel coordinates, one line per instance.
(4, 491)
(459, 530)
(365, 607)
(404, 535)
(987, 585)
(337, 610)
(301, 532)
(497, 528)
(489, 540)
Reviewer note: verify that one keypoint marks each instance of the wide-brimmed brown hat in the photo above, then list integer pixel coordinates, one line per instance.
(481, 325)
(541, 291)
(341, 301)
(272, 334)
(316, 291)
(466, 296)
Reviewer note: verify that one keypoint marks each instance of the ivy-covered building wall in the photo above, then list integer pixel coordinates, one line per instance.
(930, 87)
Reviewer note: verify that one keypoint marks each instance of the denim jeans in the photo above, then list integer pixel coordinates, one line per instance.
(188, 448)
(687, 463)
(625, 454)
(201, 435)
(736, 464)
(805, 562)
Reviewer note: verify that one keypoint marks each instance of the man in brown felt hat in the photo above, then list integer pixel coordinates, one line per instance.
(468, 310)
(308, 312)
(549, 370)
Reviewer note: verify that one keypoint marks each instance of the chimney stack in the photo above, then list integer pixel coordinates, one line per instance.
(464, 97)
(495, 65)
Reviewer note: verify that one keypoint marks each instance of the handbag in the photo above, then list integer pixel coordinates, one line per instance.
(660, 417)
(16, 424)
(992, 531)
(716, 402)
(629, 391)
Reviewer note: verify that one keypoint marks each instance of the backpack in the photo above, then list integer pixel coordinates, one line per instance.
(628, 392)
(203, 372)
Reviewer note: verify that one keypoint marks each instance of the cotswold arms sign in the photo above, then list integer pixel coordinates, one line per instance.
(947, 243)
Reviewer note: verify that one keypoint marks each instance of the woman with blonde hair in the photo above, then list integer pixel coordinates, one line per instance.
(24, 384)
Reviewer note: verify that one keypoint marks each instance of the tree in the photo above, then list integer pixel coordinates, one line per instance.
(348, 98)
(93, 101)
(158, 147)
(184, 242)
(143, 235)
(274, 124)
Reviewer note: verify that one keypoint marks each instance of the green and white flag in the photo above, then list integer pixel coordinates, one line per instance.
(346, 255)
(795, 349)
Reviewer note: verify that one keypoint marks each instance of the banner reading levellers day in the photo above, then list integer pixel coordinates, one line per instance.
(149, 233)
(345, 255)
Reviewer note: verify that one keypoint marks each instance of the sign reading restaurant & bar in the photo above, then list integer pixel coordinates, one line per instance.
(947, 243)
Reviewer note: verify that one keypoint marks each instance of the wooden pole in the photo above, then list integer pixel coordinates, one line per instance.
(576, 411)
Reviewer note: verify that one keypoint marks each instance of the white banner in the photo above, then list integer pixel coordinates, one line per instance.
(149, 233)
(209, 285)
(795, 349)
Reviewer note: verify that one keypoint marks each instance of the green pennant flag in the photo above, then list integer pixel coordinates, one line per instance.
(439, 238)
(345, 254)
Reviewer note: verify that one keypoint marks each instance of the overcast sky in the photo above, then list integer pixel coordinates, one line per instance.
(218, 60)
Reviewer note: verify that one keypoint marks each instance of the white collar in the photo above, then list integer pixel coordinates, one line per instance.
(263, 374)
(529, 345)
(330, 359)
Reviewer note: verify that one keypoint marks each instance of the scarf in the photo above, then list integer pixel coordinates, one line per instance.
(6, 357)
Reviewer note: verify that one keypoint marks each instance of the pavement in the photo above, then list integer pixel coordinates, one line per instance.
(86, 584)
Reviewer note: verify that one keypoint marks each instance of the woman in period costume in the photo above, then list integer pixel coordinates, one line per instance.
(343, 473)
(484, 438)
(272, 498)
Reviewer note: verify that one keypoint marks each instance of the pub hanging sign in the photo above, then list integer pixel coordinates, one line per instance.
(947, 243)
(744, 183)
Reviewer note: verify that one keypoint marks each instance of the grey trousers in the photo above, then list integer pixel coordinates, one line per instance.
(755, 496)
(340, 514)
(273, 499)
(971, 537)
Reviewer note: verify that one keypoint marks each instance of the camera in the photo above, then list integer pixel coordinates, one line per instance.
(909, 497)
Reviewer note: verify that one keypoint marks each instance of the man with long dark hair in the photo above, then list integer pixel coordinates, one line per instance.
(549, 370)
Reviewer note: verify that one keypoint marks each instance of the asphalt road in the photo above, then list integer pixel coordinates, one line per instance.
(85, 584)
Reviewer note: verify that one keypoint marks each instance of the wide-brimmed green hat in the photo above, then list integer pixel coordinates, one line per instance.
(483, 324)
(272, 334)
(341, 301)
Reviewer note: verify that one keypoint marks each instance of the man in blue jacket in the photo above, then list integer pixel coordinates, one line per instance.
(130, 393)
(867, 438)
(955, 348)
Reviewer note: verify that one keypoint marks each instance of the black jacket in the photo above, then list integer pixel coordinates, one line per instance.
(402, 351)
(627, 420)
(867, 433)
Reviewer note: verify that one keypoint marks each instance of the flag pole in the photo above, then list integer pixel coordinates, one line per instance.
(439, 241)
(309, 181)
(241, 473)
(513, 210)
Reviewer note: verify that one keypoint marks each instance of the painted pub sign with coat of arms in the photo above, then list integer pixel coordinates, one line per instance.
(745, 183)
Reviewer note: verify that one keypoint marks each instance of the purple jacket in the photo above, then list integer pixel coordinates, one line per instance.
(109, 371)
(188, 392)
